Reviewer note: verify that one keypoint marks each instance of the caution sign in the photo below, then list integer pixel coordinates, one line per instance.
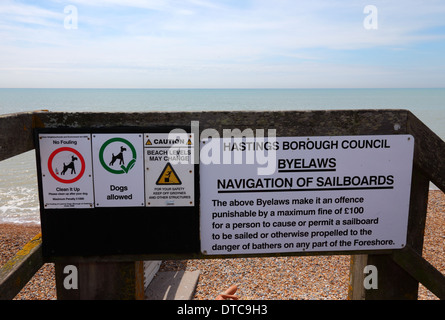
(118, 170)
(305, 194)
(169, 169)
(66, 170)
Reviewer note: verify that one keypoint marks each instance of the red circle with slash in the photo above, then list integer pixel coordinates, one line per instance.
(55, 176)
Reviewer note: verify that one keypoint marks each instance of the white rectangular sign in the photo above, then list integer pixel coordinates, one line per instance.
(294, 194)
(118, 163)
(66, 170)
(169, 169)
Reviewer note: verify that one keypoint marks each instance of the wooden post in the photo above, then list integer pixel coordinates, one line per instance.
(100, 281)
(356, 290)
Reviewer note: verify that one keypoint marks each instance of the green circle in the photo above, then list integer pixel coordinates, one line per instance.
(101, 155)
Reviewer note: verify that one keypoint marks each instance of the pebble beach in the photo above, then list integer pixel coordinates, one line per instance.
(277, 278)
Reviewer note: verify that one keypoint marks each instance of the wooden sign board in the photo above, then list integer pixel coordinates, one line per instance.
(95, 188)
(140, 192)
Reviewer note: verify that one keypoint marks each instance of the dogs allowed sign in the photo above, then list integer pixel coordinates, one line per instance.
(118, 170)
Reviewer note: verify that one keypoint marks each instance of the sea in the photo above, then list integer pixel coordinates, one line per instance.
(18, 177)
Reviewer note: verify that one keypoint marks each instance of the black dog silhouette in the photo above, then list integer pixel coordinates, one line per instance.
(69, 166)
(119, 156)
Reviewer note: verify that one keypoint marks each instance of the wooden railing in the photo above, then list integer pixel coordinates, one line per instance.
(16, 273)
(400, 271)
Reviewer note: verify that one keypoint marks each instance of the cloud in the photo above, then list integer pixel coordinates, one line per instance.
(13, 13)
(203, 42)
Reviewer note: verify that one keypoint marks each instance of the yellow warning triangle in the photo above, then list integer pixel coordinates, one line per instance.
(189, 142)
(168, 176)
(148, 143)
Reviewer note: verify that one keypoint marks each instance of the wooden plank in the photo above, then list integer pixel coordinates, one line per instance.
(356, 290)
(429, 153)
(15, 273)
(16, 134)
(422, 270)
(286, 123)
(16, 129)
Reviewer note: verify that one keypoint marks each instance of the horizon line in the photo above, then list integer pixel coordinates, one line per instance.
(219, 88)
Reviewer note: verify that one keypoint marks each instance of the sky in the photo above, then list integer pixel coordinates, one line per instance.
(222, 44)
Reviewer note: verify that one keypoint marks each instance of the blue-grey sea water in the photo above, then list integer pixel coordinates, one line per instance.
(18, 181)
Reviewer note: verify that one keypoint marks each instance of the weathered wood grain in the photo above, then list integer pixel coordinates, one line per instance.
(16, 273)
